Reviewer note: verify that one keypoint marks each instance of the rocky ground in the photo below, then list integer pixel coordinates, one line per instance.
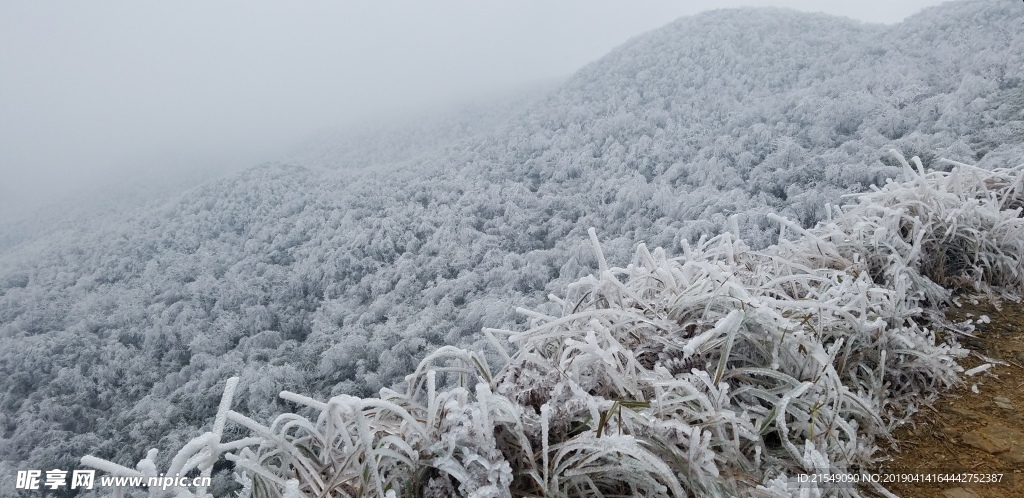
(977, 429)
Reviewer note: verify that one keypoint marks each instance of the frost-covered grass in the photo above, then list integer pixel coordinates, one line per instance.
(722, 372)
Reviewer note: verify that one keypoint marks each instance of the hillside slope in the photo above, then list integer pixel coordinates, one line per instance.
(298, 278)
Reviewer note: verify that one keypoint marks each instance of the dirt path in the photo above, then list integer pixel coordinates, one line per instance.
(973, 432)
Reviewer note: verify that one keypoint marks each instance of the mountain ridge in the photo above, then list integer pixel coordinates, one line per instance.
(291, 275)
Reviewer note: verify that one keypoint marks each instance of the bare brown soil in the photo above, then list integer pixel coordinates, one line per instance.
(974, 433)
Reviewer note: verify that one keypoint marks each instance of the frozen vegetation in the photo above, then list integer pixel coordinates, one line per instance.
(722, 372)
(325, 278)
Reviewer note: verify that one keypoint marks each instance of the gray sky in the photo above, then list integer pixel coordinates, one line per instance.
(89, 88)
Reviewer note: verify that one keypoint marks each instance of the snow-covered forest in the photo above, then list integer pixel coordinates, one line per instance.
(337, 271)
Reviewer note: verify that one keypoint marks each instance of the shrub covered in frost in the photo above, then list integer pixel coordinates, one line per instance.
(723, 372)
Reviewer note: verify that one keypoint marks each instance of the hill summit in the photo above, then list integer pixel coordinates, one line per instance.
(119, 334)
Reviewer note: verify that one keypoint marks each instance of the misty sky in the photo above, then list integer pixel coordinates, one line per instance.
(89, 88)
